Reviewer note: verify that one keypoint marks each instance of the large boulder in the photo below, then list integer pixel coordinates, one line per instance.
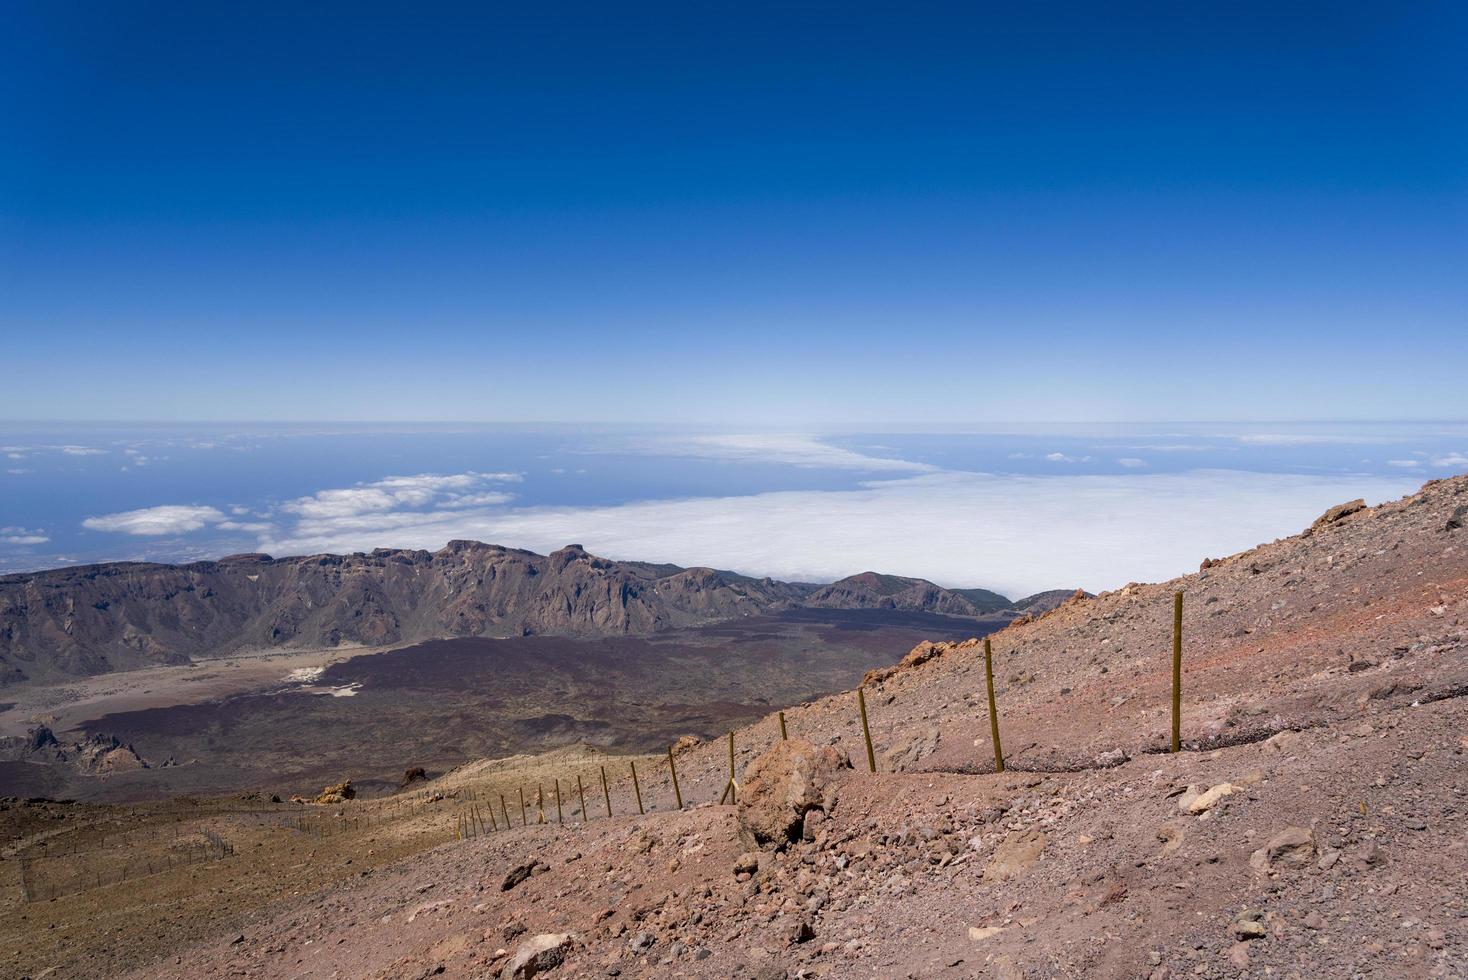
(339, 793)
(782, 785)
(538, 954)
(1293, 847)
(1336, 514)
(1013, 857)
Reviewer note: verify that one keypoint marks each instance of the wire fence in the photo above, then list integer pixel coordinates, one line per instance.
(82, 858)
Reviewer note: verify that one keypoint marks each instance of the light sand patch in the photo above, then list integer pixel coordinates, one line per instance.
(63, 706)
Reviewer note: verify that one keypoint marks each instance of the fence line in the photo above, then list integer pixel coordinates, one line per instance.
(469, 819)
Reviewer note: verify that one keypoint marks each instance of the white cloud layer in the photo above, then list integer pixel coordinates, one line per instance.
(151, 521)
(780, 448)
(1017, 534)
(1314, 439)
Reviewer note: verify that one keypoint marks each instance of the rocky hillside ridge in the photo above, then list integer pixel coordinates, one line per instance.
(98, 618)
(872, 590)
(1042, 602)
(1314, 825)
(97, 754)
(95, 619)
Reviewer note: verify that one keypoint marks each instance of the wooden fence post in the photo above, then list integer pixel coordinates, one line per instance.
(866, 732)
(505, 811)
(673, 768)
(993, 710)
(582, 793)
(731, 788)
(784, 735)
(606, 790)
(637, 789)
(540, 803)
(524, 820)
(559, 818)
(1177, 671)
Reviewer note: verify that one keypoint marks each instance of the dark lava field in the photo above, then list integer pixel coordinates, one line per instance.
(441, 703)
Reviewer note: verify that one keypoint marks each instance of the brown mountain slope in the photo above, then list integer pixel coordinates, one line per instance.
(1323, 721)
(99, 618)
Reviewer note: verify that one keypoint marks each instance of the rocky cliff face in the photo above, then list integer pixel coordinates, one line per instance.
(100, 618)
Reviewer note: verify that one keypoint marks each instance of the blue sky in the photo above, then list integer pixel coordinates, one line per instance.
(745, 214)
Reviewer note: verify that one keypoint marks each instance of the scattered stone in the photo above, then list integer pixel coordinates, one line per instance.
(1206, 800)
(799, 931)
(811, 824)
(517, 874)
(1336, 514)
(1249, 925)
(1293, 847)
(1020, 849)
(538, 955)
(979, 934)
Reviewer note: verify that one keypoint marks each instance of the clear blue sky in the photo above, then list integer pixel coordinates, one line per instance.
(742, 213)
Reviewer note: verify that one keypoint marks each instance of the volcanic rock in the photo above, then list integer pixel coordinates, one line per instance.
(538, 955)
(781, 785)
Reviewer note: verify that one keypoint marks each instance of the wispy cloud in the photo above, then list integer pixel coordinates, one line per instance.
(398, 492)
(1404, 464)
(1164, 447)
(1019, 534)
(1131, 462)
(1450, 461)
(153, 521)
(780, 448)
(82, 451)
(22, 537)
(1314, 439)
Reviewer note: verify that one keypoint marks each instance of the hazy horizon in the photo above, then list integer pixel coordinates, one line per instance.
(1089, 505)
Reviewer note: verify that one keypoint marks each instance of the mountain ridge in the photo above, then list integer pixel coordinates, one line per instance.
(96, 619)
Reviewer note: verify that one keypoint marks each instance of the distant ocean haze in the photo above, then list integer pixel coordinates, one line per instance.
(1016, 510)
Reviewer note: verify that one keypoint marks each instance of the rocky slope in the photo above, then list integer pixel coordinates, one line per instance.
(1316, 823)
